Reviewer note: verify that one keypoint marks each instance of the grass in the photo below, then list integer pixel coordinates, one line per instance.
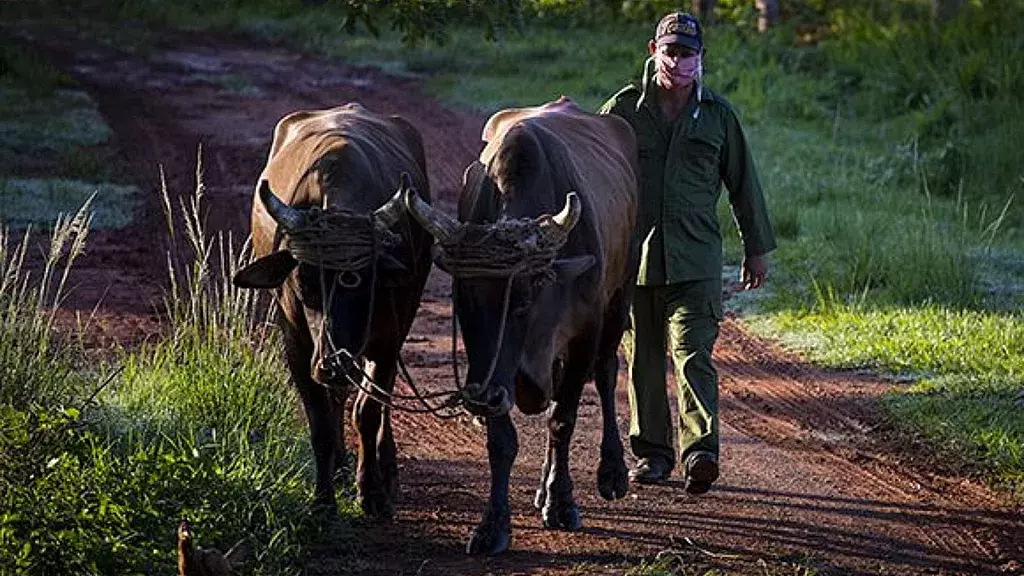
(695, 561)
(36, 201)
(49, 128)
(967, 369)
(102, 461)
(53, 123)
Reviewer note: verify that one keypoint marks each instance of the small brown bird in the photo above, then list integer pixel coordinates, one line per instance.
(196, 561)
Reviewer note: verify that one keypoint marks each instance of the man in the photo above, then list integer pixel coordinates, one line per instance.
(690, 142)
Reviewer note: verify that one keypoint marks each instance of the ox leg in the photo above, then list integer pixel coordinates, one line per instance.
(557, 373)
(324, 416)
(560, 510)
(376, 448)
(612, 475)
(387, 456)
(325, 431)
(541, 497)
(493, 533)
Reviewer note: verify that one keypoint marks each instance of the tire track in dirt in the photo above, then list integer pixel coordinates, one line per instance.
(800, 474)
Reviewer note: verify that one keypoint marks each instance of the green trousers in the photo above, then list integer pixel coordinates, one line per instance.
(682, 320)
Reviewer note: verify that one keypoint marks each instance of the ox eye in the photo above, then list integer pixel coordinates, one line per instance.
(349, 279)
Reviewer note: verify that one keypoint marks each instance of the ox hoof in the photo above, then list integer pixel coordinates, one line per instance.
(562, 516)
(612, 478)
(491, 536)
(325, 510)
(377, 507)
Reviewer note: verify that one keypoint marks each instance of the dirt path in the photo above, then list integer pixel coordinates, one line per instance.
(805, 478)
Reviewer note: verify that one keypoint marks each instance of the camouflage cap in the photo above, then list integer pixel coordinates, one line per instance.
(679, 28)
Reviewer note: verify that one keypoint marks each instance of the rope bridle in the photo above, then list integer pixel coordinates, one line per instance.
(344, 242)
(507, 249)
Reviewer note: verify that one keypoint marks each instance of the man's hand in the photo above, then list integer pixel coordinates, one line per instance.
(754, 271)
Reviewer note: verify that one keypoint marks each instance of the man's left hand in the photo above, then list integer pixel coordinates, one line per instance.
(754, 271)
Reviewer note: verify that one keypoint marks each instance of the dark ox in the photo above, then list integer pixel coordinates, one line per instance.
(347, 267)
(542, 297)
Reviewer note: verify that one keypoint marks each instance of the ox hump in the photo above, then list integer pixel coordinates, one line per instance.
(501, 121)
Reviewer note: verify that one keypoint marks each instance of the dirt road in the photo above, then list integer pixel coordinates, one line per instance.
(811, 476)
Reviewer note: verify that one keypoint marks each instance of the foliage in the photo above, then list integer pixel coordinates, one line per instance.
(200, 425)
(413, 20)
(956, 85)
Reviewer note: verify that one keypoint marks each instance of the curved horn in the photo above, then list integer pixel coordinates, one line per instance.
(391, 211)
(440, 225)
(565, 220)
(287, 217)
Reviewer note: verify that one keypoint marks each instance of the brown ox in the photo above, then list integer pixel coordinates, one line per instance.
(542, 300)
(347, 269)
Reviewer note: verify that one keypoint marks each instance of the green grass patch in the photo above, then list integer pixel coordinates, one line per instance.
(53, 123)
(102, 461)
(59, 133)
(36, 202)
(967, 367)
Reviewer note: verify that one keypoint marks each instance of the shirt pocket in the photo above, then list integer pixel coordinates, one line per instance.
(699, 162)
(652, 171)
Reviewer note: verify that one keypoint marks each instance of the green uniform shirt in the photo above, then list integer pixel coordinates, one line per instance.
(682, 168)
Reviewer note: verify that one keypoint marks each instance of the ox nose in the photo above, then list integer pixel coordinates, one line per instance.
(488, 402)
(334, 371)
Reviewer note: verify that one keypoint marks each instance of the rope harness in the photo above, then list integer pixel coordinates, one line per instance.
(344, 242)
(508, 249)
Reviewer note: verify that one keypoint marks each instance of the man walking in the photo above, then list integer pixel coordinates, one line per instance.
(690, 142)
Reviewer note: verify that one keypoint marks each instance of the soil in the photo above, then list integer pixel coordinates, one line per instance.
(812, 475)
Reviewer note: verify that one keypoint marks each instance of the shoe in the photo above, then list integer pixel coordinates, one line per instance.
(651, 470)
(700, 471)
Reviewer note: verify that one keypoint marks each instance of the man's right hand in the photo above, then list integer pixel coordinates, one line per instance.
(754, 271)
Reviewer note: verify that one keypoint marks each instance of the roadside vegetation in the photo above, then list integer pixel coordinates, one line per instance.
(102, 460)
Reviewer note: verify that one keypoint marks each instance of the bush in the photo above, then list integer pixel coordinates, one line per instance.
(201, 425)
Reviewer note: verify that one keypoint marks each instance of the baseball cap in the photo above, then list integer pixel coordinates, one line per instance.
(679, 28)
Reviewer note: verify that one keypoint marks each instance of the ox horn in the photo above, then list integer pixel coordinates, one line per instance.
(391, 211)
(440, 225)
(565, 220)
(287, 217)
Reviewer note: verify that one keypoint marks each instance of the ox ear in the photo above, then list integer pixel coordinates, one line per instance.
(267, 272)
(569, 269)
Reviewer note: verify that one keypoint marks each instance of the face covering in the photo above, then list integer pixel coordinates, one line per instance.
(677, 72)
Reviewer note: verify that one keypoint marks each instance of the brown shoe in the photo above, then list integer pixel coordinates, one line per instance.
(700, 471)
(651, 470)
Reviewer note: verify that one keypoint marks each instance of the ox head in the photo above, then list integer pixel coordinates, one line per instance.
(512, 293)
(331, 263)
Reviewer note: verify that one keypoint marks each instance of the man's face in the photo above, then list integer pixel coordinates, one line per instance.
(675, 65)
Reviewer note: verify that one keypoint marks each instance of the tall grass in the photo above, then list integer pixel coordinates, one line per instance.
(201, 425)
(37, 367)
